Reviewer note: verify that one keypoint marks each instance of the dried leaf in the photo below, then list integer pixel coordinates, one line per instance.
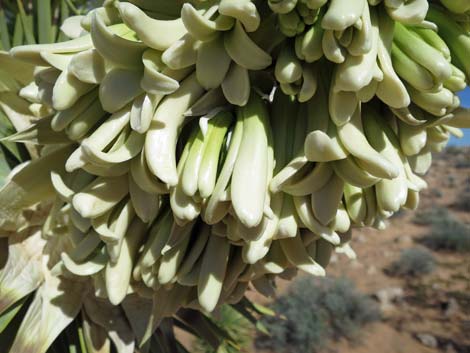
(113, 320)
(17, 110)
(29, 186)
(138, 312)
(22, 273)
(56, 304)
(23, 71)
(96, 337)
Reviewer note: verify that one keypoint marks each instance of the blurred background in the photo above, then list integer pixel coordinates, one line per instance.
(465, 98)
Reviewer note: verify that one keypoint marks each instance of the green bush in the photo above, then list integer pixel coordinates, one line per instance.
(431, 215)
(237, 326)
(413, 262)
(448, 234)
(463, 161)
(458, 155)
(451, 150)
(315, 311)
(463, 201)
(451, 182)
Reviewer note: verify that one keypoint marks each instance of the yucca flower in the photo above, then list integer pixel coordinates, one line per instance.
(191, 151)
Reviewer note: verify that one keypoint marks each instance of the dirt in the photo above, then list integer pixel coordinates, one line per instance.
(424, 308)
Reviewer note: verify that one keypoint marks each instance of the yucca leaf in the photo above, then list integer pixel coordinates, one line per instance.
(258, 308)
(166, 336)
(262, 328)
(3, 252)
(8, 315)
(4, 167)
(169, 8)
(29, 186)
(181, 348)
(242, 309)
(27, 23)
(159, 344)
(81, 340)
(44, 14)
(96, 338)
(55, 20)
(245, 306)
(8, 83)
(16, 109)
(64, 14)
(7, 336)
(203, 327)
(23, 72)
(183, 326)
(72, 338)
(40, 132)
(22, 273)
(137, 310)
(18, 32)
(55, 305)
(72, 7)
(4, 35)
(113, 320)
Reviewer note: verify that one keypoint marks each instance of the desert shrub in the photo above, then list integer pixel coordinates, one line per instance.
(451, 150)
(413, 262)
(315, 311)
(237, 326)
(462, 161)
(431, 215)
(435, 193)
(451, 182)
(448, 234)
(463, 201)
(399, 214)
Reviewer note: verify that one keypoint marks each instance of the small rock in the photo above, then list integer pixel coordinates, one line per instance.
(372, 270)
(360, 238)
(389, 296)
(357, 264)
(450, 307)
(404, 240)
(387, 253)
(450, 348)
(427, 340)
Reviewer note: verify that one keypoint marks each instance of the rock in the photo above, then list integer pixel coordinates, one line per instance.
(360, 238)
(372, 270)
(450, 348)
(404, 240)
(427, 339)
(356, 264)
(387, 253)
(387, 297)
(450, 307)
